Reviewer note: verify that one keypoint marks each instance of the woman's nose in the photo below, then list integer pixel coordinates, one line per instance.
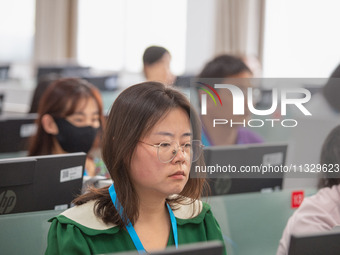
(180, 155)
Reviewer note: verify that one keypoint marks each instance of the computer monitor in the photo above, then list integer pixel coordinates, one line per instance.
(201, 248)
(67, 70)
(308, 137)
(41, 182)
(19, 175)
(236, 157)
(315, 244)
(105, 82)
(15, 132)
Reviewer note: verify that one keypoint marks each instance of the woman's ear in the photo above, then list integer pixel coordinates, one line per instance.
(49, 124)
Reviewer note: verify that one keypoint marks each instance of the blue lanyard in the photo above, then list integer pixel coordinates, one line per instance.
(205, 139)
(132, 232)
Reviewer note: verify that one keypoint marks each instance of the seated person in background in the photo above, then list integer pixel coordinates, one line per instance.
(326, 103)
(226, 69)
(156, 62)
(70, 114)
(320, 212)
(42, 85)
(149, 145)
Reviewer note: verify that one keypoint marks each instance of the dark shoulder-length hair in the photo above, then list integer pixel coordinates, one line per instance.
(135, 111)
(60, 100)
(330, 157)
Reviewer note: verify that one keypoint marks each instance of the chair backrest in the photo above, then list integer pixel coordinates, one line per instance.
(252, 223)
(25, 233)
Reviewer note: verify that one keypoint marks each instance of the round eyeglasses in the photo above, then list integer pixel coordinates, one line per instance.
(167, 151)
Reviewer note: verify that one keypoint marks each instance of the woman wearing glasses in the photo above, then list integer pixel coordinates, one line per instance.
(150, 144)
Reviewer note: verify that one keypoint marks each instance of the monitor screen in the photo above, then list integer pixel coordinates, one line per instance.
(315, 244)
(38, 183)
(235, 157)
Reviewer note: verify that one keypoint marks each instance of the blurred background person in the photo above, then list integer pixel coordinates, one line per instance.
(156, 65)
(70, 119)
(226, 69)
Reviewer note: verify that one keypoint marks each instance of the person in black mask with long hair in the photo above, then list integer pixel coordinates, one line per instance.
(70, 119)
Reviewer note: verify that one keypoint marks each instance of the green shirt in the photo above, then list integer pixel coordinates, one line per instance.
(79, 231)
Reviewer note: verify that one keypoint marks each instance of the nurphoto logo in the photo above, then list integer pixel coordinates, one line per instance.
(280, 99)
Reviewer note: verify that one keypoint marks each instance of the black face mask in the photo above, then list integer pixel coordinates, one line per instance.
(75, 139)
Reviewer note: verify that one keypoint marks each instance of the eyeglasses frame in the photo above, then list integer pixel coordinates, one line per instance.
(178, 147)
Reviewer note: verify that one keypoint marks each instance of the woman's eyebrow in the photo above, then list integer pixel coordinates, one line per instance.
(79, 113)
(187, 134)
(83, 114)
(165, 133)
(172, 135)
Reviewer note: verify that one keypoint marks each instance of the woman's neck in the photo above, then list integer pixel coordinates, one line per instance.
(153, 223)
(153, 212)
(151, 205)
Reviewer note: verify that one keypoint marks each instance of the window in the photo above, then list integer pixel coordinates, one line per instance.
(113, 35)
(17, 30)
(301, 38)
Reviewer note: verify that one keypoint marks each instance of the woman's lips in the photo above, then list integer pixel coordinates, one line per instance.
(178, 175)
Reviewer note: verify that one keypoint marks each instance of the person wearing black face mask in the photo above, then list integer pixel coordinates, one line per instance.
(74, 139)
(70, 120)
